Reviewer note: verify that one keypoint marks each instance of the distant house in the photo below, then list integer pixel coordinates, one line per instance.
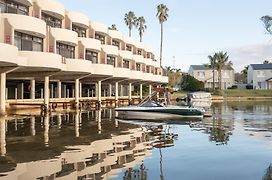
(260, 76)
(205, 74)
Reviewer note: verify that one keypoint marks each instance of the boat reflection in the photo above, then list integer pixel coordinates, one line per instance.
(71, 146)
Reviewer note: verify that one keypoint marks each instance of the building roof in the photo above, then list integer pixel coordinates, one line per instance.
(203, 67)
(261, 66)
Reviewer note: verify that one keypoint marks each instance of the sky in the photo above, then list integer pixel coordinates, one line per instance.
(194, 29)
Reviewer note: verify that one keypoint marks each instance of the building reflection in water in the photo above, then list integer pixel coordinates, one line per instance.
(72, 146)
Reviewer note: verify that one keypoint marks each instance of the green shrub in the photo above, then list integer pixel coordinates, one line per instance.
(249, 86)
(189, 83)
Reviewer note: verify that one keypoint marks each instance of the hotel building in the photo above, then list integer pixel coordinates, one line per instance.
(47, 52)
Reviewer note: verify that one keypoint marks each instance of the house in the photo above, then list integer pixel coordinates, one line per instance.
(260, 76)
(205, 74)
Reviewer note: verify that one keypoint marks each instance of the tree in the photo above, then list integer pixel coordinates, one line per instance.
(130, 20)
(162, 14)
(267, 22)
(189, 83)
(113, 27)
(212, 65)
(141, 24)
(267, 62)
(222, 60)
(244, 72)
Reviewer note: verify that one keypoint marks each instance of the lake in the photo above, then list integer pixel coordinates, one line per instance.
(236, 143)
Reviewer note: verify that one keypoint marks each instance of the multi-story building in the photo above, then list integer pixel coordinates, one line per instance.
(47, 52)
(205, 74)
(260, 76)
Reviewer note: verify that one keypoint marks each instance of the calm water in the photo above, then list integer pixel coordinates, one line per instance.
(235, 144)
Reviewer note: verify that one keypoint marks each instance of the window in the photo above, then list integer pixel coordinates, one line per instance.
(128, 48)
(116, 43)
(139, 52)
(100, 37)
(147, 69)
(138, 67)
(65, 50)
(260, 74)
(226, 74)
(91, 56)
(201, 74)
(7, 6)
(51, 21)
(148, 55)
(125, 64)
(25, 42)
(80, 31)
(111, 60)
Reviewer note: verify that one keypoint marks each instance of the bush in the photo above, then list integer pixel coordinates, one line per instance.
(249, 86)
(189, 83)
(233, 87)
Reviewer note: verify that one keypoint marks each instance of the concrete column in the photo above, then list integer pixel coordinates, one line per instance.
(64, 91)
(129, 91)
(98, 119)
(59, 89)
(32, 126)
(110, 90)
(32, 89)
(150, 88)
(116, 91)
(46, 129)
(6, 94)
(3, 149)
(16, 93)
(77, 88)
(141, 91)
(88, 93)
(21, 90)
(52, 91)
(98, 91)
(77, 124)
(59, 120)
(68, 93)
(80, 89)
(46, 92)
(121, 90)
(2, 93)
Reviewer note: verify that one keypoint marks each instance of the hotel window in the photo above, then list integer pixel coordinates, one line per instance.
(148, 55)
(138, 67)
(116, 43)
(51, 21)
(147, 69)
(7, 6)
(139, 52)
(91, 56)
(80, 31)
(111, 60)
(125, 64)
(100, 38)
(128, 48)
(25, 42)
(65, 50)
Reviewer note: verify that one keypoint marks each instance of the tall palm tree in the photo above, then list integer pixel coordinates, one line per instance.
(267, 22)
(212, 65)
(130, 20)
(162, 14)
(113, 27)
(141, 24)
(222, 60)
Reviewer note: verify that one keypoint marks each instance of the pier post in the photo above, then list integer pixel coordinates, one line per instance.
(59, 89)
(77, 93)
(32, 89)
(46, 92)
(141, 91)
(3, 93)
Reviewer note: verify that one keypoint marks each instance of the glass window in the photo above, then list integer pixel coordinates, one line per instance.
(128, 48)
(2, 7)
(91, 56)
(147, 69)
(148, 55)
(125, 64)
(100, 38)
(138, 67)
(25, 42)
(51, 21)
(111, 60)
(139, 52)
(80, 31)
(65, 50)
(116, 43)
(14, 7)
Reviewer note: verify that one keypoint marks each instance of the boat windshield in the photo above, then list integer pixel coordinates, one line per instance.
(149, 101)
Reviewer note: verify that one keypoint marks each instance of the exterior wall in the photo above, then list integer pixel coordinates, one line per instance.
(259, 78)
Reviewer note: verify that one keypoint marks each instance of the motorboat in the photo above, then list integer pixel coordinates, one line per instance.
(150, 109)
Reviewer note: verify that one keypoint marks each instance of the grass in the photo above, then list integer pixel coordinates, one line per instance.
(246, 93)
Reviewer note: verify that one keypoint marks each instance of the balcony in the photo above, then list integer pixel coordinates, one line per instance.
(78, 19)
(110, 50)
(31, 25)
(65, 35)
(129, 40)
(136, 75)
(138, 58)
(91, 44)
(126, 54)
(99, 27)
(115, 35)
(103, 69)
(52, 8)
(121, 73)
(79, 65)
(8, 56)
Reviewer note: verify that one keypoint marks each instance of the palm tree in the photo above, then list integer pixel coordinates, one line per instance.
(222, 60)
(162, 14)
(113, 27)
(141, 24)
(130, 20)
(212, 65)
(267, 22)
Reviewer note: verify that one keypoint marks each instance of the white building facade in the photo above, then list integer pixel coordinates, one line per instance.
(260, 76)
